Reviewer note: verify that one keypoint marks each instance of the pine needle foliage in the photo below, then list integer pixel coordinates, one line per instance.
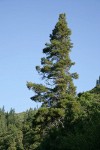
(55, 67)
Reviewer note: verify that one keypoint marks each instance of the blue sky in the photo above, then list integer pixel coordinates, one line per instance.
(25, 26)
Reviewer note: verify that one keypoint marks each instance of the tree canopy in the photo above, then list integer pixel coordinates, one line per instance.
(55, 67)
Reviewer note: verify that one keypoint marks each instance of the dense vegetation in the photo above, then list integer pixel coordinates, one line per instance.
(34, 129)
(65, 121)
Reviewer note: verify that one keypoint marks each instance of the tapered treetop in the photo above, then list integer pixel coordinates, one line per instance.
(55, 67)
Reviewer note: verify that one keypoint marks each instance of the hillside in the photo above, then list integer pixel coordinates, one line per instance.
(95, 90)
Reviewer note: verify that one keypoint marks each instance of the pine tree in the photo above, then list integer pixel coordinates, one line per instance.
(55, 67)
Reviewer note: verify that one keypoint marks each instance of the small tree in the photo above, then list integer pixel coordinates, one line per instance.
(55, 67)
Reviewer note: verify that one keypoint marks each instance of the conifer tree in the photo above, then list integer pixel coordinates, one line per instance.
(55, 67)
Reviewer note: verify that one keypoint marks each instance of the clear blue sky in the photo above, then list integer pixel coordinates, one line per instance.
(25, 26)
